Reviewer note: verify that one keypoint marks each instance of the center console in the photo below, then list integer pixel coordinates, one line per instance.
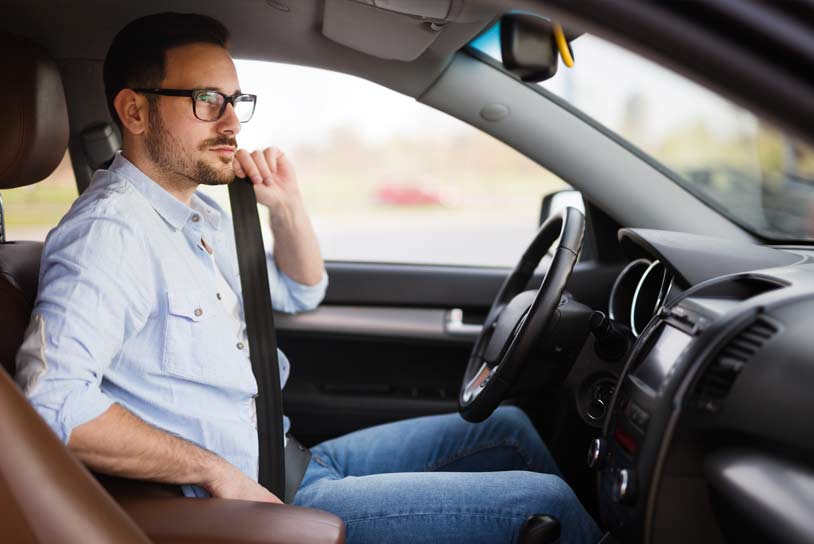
(626, 455)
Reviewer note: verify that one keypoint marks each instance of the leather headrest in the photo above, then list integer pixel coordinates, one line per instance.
(33, 113)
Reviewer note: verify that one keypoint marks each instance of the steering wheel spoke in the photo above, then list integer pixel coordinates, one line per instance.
(479, 381)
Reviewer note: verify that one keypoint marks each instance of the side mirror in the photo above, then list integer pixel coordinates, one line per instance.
(529, 48)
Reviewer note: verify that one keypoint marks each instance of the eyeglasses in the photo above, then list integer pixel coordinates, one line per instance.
(209, 105)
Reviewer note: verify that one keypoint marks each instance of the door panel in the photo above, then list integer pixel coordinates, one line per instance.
(341, 384)
(450, 286)
(391, 341)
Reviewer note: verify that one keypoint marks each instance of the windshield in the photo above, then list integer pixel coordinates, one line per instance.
(749, 170)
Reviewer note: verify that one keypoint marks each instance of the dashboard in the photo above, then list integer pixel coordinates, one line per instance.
(708, 436)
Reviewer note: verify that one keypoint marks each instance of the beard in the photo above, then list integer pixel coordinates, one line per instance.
(168, 154)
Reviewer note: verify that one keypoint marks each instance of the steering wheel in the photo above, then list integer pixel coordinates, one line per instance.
(518, 318)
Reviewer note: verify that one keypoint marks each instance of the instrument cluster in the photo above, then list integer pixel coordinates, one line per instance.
(639, 293)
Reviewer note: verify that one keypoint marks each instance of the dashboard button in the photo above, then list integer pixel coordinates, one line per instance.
(637, 415)
(624, 486)
(597, 453)
(596, 410)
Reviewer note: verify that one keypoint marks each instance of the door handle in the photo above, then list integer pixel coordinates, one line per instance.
(454, 325)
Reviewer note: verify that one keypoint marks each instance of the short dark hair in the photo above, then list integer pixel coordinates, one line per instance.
(137, 56)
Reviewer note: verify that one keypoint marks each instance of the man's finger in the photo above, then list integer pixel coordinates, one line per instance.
(249, 168)
(284, 166)
(239, 173)
(262, 166)
(271, 154)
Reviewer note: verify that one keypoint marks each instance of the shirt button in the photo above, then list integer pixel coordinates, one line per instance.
(196, 218)
(218, 295)
(198, 312)
(240, 345)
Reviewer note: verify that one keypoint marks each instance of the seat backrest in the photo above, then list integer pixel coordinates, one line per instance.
(34, 118)
(46, 495)
(19, 271)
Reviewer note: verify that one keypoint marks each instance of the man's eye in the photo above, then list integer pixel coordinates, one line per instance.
(209, 98)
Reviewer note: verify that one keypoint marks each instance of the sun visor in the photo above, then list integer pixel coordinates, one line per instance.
(393, 29)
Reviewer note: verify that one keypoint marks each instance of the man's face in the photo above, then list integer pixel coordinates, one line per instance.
(179, 143)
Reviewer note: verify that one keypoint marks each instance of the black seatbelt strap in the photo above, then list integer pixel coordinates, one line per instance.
(254, 282)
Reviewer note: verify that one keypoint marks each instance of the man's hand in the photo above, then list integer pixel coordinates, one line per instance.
(273, 176)
(296, 250)
(121, 444)
(227, 482)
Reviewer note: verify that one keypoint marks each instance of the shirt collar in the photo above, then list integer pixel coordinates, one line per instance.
(174, 212)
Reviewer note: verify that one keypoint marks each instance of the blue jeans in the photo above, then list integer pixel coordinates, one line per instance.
(442, 479)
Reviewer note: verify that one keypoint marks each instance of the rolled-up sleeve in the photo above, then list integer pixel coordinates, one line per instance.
(290, 296)
(287, 294)
(90, 300)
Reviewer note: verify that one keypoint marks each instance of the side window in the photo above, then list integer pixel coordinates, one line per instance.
(32, 211)
(387, 179)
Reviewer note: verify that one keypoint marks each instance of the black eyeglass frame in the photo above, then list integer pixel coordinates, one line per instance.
(192, 94)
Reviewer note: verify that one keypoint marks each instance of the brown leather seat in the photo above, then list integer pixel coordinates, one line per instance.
(34, 118)
(19, 269)
(46, 495)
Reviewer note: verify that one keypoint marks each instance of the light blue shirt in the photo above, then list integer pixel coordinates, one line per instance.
(128, 312)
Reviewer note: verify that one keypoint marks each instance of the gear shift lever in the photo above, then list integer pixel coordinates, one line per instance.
(540, 529)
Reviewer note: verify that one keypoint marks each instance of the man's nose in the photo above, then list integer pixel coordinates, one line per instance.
(229, 123)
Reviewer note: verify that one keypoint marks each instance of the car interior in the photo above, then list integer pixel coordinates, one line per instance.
(659, 343)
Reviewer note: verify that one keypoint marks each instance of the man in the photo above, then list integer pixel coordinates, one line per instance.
(137, 357)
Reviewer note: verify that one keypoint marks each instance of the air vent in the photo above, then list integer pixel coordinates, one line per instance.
(720, 375)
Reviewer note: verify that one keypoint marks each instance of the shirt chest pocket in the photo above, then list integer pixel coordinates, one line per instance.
(190, 336)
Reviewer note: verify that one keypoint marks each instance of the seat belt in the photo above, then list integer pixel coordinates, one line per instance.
(254, 283)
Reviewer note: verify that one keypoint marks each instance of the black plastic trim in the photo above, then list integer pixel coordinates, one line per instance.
(762, 494)
(432, 286)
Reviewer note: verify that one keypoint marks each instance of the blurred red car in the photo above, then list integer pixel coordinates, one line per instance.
(413, 194)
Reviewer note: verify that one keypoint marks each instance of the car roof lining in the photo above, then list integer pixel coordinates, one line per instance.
(266, 33)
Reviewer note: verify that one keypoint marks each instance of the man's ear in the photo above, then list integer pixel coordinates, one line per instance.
(132, 110)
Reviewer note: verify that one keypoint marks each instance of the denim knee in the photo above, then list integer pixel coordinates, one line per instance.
(514, 418)
(557, 492)
(514, 423)
(560, 501)
(511, 414)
